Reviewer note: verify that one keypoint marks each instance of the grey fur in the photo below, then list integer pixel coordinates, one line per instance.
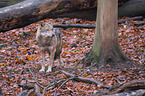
(49, 40)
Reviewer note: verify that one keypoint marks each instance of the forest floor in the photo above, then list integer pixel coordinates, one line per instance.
(18, 48)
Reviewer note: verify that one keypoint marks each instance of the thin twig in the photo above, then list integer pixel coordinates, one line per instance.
(44, 88)
(44, 91)
(127, 19)
(87, 69)
(63, 84)
(34, 78)
(55, 83)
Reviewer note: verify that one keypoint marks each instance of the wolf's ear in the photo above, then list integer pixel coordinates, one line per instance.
(42, 23)
(51, 22)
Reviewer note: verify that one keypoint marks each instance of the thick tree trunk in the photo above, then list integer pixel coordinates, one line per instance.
(106, 51)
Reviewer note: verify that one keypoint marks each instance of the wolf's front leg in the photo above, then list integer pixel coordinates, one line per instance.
(43, 64)
(52, 54)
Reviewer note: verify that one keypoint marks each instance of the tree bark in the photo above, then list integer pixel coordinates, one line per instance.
(25, 13)
(106, 51)
(125, 87)
(4, 3)
(30, 11)
(132, 8)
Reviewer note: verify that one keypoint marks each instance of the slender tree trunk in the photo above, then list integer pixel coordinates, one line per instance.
(106, 49)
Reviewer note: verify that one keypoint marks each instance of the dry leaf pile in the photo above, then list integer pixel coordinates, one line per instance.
(19, 47)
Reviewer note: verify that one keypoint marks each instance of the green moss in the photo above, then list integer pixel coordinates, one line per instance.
(4, 3)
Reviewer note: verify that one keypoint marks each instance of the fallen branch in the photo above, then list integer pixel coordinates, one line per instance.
(139, 92)
(73, 26)
(65, 26)
(72, 77)
(141, 27)
(78, 78)
(127, 86)
(135, 84)
(38, 84)
(127, 19)
(140, 23)
(63, 84)
(93, 26)
(34, 77)
(23, 93)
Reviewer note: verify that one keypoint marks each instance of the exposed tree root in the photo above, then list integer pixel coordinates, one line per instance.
(133, 88)
(140, 92)
(127, 86)
(108, 63)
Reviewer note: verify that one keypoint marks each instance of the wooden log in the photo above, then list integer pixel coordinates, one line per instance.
(29, 11)
(4, 3)
(93, 26)
(139, 92)
(127, 86)
(73, 26)
(24, 13)
(132, 8)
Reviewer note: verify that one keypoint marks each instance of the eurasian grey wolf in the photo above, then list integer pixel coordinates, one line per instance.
(49, 40)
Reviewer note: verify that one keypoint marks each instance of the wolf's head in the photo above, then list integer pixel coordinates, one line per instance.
(46, 29)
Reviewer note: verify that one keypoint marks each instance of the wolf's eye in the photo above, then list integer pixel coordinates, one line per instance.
(47, 29)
